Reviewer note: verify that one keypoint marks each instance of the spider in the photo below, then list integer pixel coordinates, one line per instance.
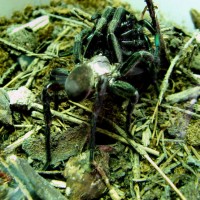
(115, 56)
(119, 36)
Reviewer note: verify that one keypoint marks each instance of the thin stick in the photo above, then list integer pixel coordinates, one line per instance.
(28, 53)
(15, 78)
(160, 47)
(8, 72)
(18, 142)
(165, 82)
(113, 193)
(188, 112)
(191, 93)
(165, 177)
(71, 21)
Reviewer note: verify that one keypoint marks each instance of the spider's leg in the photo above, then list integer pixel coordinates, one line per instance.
(101, 24)
(57, 78)
(141, 65)
(78, 42)
(138, 63)
(145, 23)
(126, 91)
(104, 20)
(47, 119)
(118, 17)
(100, 93)
(150, 27)
(160, 52)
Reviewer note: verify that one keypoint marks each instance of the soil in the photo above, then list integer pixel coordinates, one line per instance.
(165, 123)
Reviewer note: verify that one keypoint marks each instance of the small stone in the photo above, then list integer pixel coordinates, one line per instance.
(82, 183)
(21, 97)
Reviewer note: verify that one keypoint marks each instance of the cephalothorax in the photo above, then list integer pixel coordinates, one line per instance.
(115, 56)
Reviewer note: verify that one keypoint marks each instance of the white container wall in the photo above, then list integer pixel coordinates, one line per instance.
(9, 6)
(176, 11)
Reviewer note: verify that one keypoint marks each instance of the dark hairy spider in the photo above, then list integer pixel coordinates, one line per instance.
(120, 37)
(114, 57)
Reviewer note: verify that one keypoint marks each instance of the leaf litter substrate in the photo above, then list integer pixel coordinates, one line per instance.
(172, 131)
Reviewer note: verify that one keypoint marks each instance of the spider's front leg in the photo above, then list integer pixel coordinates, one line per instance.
(140, 70)
(96, 37)
(118, 17)
(126, 91)
(100, 94)
(136, 74)
(90, 37)
(57, 80)
(78, 45)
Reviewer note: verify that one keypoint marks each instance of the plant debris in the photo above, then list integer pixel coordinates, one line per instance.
(161, 158)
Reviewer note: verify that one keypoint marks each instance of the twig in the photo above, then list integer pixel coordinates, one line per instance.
(58, 183)
(23, 75)
(161, 52)
(136, 173)
(53, 172)
(125, 139)
(188, 112)
(71, 21)
(172, 65)
(184, 95)
(8, 72)
(113, 193)
(66, 117)
(131, 142)
(23, 125)
(81, 12)
(188, 73)
(15, 78)
(80, 106)
(18, 142)
(27, 52)
(83, 16)
(165, 177)
(63, 33)
(36, 66)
